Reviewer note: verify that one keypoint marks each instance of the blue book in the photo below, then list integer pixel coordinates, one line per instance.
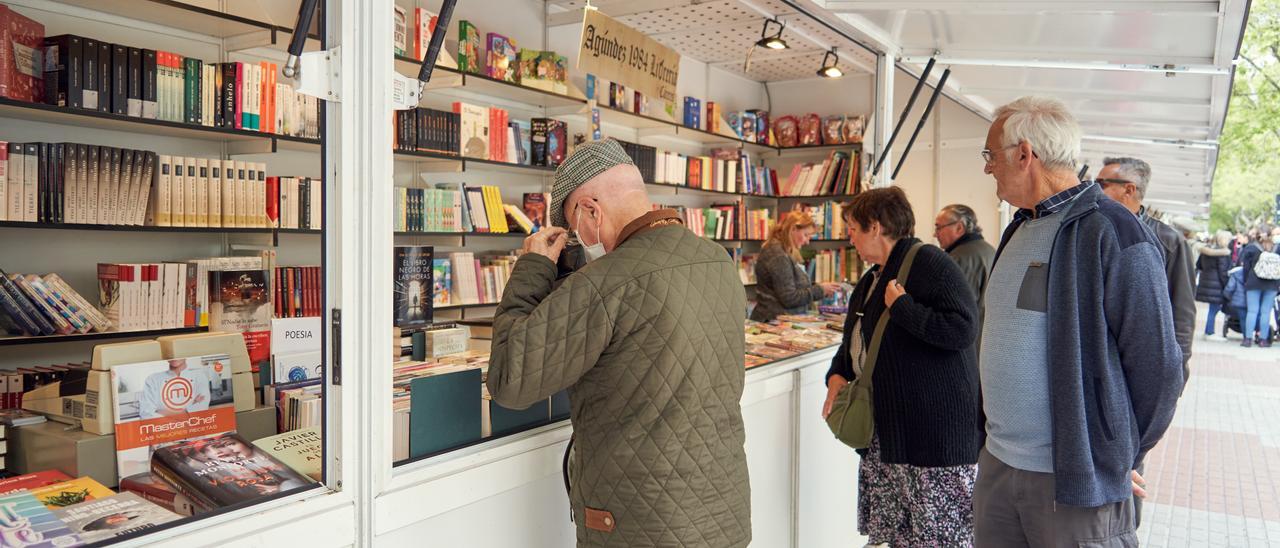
(28, 524)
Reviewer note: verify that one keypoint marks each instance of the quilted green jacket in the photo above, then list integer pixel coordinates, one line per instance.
(649, 341)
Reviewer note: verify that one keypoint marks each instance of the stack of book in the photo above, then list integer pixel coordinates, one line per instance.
(298, 291)
(294, 202)
(46, 305)
(89, 74)
(839, 173)
(14, 384)
(413, 35)
(453, 372)
(790, 335)
(756, 225)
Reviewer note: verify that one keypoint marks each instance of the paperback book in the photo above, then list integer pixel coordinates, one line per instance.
(28, 524)
(240, 302)
(299, 449)
(413, 270)
(113, 516)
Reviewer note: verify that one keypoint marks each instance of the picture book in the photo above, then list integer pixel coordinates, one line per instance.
(544, 70)
(469, 48)
(166, 401)
(224, 470)
(413, 269)
(503, 60)
(113, 516)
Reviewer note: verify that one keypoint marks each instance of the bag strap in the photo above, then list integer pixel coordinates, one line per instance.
(873, 350)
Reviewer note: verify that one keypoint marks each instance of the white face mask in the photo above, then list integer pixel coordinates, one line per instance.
(593, 251)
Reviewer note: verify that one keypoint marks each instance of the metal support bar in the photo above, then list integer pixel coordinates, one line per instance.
(915, 92)
(928, 109)
(1169, 68)
(883, 118)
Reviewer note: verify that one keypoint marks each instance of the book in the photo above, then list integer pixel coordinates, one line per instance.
(535, 207)
(299, 449)
(35, 480)
(400, 31)
(469, 48)
(474, 130)
(162, 494)
(69, 492)
(21, 71)
(544, 70)
(224, 470)
(19, 417)
(64, 70)
(412, 299)
(109, 517)
(166, 401)
(240, 302)
(424, 24)
(441, 282)
(28, 523)
(502, 62)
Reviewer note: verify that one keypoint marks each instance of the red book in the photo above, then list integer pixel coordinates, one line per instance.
(32, 481)
(21, 44)
(273, 200)
(239, 87)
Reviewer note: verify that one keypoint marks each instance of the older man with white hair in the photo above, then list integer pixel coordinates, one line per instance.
(1080, 369)
(1125, 180)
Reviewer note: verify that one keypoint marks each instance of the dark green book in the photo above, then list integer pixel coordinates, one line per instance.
(444, 412)
(191, 88)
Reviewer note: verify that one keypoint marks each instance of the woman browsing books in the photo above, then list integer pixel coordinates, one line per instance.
(782, 284)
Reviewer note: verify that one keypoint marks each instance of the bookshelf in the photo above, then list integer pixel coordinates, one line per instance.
(144, 228)
(195, 19)
(106, 335)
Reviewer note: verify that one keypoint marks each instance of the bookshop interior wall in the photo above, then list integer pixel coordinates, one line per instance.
(164, 252)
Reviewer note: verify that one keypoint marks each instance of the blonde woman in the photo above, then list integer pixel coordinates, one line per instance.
(782, 284)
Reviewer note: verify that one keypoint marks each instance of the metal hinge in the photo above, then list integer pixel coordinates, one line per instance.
(335, 370)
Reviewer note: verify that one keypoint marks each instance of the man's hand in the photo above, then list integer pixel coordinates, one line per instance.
(1139, 484)
(829, 288)
(548, 242)
(834, 384)
(891, 293)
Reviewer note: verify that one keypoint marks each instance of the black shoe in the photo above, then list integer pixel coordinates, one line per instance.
(1265, 343)
(1247, 343)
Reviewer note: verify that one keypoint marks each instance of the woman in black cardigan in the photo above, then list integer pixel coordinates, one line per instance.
(915, 483)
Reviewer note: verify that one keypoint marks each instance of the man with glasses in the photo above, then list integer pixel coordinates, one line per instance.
(1080, 370)
(1125, 180)
(956, 228)
(648, 338)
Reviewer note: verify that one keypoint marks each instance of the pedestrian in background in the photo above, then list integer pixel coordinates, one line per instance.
(1214, 266)
(1260, 291)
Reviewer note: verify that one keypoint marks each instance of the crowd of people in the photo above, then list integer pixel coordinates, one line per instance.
(1014, 389)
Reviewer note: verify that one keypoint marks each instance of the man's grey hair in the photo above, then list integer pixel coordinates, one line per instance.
(964, 215)
(1133, 170)
(1047, 125)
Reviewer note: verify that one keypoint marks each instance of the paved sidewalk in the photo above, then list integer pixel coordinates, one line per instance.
(1213, 480)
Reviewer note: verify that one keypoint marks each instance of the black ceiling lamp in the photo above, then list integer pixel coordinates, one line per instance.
(830, 70)
(775, 41)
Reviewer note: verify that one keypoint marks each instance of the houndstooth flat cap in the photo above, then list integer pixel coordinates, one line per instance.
(586, 162)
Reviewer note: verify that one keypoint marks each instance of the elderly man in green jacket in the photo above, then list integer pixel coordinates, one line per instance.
(648, 338)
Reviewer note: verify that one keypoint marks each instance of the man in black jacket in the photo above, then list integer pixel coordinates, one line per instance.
(957, 230)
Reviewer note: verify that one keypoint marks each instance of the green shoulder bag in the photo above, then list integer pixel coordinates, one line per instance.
(852, 419)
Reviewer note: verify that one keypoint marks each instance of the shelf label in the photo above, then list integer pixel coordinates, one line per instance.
(616, 52)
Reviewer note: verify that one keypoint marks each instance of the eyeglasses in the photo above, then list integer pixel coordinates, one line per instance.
(988, 154)
(938, 228)
(1113, 181)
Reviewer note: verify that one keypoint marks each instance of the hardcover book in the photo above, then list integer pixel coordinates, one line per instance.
(413, 269)
(162, 402)
(299, 449)
(27, 523)
(67, 493)
(544, 70)
(474, 130)
(469, 48)
(503, 60)
(113, 516)
(224, 470)
(21, 73)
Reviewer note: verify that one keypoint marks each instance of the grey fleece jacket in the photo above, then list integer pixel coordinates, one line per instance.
(1114, 360)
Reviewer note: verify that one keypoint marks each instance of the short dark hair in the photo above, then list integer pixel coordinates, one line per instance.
(887, 206)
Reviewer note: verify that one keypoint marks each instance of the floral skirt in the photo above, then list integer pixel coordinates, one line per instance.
(904, 505)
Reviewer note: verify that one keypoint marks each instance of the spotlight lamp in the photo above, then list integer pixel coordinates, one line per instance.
(775, 41)
(829, 68)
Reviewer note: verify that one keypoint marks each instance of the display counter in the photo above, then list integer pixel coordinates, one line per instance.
(803, 481)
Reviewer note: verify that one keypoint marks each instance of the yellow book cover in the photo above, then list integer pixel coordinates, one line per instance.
(299, 449)
(493, 203)
(71, 492)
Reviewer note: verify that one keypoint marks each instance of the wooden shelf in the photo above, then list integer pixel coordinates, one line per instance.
(40, 112)
(13, 341)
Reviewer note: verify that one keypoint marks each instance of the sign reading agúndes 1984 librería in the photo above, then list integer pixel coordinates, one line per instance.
(618, 53)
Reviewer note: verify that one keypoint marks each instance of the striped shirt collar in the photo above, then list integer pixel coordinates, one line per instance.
(1052, 204)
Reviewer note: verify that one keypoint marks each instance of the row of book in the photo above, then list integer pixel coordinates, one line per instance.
(725, 221)
(89, 74)
(298, 291)
(295, 202)
(833, 265)
(457, 207)
(840, 173)
(46, 305)
(463, 278)
(725, 170)
(412, 35)
(828, 219)
(538, 69)
(483, 133)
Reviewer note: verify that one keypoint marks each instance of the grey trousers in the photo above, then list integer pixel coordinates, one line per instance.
(1016, 508)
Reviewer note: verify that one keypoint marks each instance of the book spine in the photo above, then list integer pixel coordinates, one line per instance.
(164, 469)
(190, 90)
(228, 94)
(134, 90)
(215, 192)
(120, 79)
(106, 89)
(239, 117)
(149, 91)
(89, 75)
(191, 215)
(16, 312)
(228, 193)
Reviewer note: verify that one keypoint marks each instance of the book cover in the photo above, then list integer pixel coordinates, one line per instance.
(469, 48)
(153, 489)
(300, 450)
(27, 523)
(63, 71)
(424, 26)
(503, 59)
(239, 302)
(413, 269)
(474, 130)
(69, 492)
(166, 401)
(224, 470)
(544, 70)
(441, 282)
(21, 73)
(113, 516)
(35, 480)
(535, 207)
(400, 31)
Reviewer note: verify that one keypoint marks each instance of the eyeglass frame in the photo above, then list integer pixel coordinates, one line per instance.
(938, 228)
(1109, 181)
(988, 154)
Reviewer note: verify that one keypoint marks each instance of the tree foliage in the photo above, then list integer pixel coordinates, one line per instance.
(1248, 174)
